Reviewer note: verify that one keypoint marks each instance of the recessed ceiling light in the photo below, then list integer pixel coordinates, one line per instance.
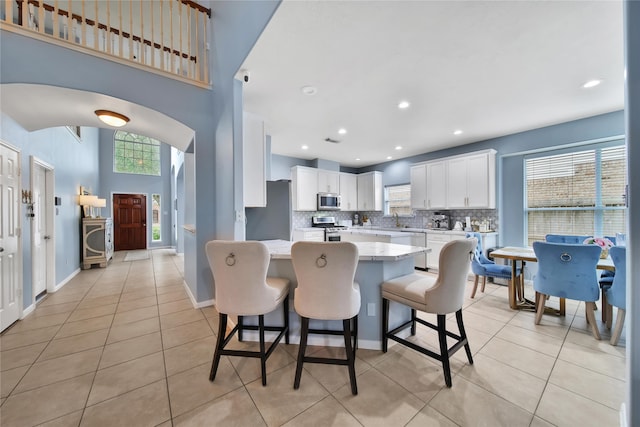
(309, 90)
(398, 147)
(389, 157)
(342, 131)
(457, 132)
(112, 118)
(357, 159)
(304, 147)
(591, 83)
(403, 104)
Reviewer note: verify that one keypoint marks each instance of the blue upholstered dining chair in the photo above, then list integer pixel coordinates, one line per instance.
(482, 266)
(616, 293)
(606, 280)
(567, 271)
(565, 238)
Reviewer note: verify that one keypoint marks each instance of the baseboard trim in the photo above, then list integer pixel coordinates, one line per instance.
(195, 303)
(66, 280)
(27, 311)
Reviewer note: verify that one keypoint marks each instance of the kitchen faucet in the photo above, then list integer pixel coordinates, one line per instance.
(395, 214)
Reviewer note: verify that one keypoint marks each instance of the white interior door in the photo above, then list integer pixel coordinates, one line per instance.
(41, 233)
(10, 253)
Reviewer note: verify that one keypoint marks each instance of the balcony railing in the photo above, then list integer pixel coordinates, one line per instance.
(166, 35)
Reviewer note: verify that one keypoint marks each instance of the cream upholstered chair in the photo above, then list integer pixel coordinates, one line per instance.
(326, 290)
(439, 295)
(242, 288)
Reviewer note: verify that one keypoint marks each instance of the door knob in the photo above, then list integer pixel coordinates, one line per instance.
(47, 237)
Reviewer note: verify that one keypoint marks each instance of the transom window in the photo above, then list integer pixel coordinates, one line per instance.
(580, 192)
(134, 153)
(397, 200)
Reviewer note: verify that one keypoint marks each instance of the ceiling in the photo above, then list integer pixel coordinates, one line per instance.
(484, 67)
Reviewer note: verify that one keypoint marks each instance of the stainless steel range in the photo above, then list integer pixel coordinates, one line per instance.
(331, 229)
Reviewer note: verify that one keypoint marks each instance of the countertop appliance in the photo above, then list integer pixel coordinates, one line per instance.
(274, 220)
(440, 221)
(328, 202)
(331, 229)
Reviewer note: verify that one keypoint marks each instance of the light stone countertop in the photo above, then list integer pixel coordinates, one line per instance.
(376, 232)
(368, 251)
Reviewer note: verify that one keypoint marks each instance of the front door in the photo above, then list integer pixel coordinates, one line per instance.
(129, 221)
(9, 236)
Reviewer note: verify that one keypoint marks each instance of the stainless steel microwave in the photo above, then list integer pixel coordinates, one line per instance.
(328, 202)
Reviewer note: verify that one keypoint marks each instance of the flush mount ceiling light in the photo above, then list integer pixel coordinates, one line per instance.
(457, 132)
(591, 83)
(305, 147)
(389, 157)
(309, 90)
(112, 118)
(342, 131)
(398, 147)
(403, 105)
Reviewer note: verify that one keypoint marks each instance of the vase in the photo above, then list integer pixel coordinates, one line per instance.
(604, 254)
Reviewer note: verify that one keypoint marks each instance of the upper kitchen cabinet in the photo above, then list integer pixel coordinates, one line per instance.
(328, 181)
(428, 189)
(349, 191)
(304, 188)
(471, 181)
(254, 161)
(370, 191)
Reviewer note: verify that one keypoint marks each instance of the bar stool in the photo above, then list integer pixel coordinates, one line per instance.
(441, 295)
(242, 288)
(326, 290)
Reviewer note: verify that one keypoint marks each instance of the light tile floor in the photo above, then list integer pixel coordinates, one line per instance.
(122, 346)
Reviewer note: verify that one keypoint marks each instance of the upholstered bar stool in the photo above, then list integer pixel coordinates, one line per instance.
(326, 290)
(242, 288)
(440, 295)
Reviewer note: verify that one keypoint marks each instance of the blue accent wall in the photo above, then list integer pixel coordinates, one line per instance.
(75, 164)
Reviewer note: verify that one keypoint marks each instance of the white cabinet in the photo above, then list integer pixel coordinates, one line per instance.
(419, 239)
(97, 241)
(349, 191)
(304, 188)
(428, 185)
(435, 242)
(308, 235)
(436, 185)
(328, 181)
(370, 191)
(254, 161)
(418, 177)
(471, 181)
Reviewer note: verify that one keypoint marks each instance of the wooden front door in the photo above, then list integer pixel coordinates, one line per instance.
(129, 221)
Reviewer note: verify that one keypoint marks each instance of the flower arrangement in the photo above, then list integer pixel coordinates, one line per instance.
(604, 243)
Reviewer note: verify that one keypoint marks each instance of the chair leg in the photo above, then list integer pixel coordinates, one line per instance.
(304, 331)
(346, 326)
(591, 318)
(475, 286)
(385, 323)
(609, 315)
(240, 325)
(263, 353)
(519, 289)
(484, 283)
(354, 333)
(615, 336)
(603, 303)
(413, 321)
(541, 299)
(222, 329)
(444, 351)
(285, 308)
(463, 336)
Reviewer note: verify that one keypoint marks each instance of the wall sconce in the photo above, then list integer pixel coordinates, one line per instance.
(28, 200)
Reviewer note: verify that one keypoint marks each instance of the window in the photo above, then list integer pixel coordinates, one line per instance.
(155, 218)
(580, 192)
(136, 154)
(397, 200)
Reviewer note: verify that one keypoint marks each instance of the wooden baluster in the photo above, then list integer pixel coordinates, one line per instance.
(83, 27)
(96, 32)
(153, 34)
(171, 34)
(8, 11)
(142, 55)
(197, 46)
(130, 30)
(189, 35)
(41, 18)
(70, 22)
(120, 27)
(56, 20)
(162, 62)
(205, 60)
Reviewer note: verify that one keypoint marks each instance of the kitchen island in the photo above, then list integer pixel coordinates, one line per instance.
(377, 263)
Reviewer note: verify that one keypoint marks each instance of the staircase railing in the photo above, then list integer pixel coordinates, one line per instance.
(166, 35)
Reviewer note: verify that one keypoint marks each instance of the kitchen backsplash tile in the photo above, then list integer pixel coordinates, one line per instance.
(419, 220)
